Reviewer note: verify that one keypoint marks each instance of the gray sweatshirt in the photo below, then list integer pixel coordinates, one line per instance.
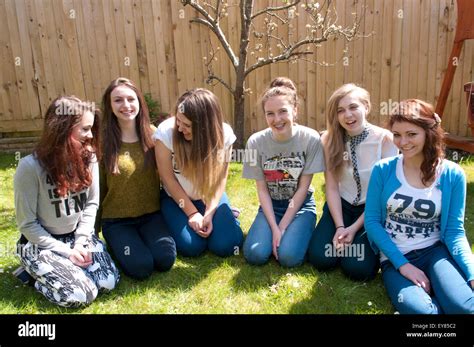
(40, 212)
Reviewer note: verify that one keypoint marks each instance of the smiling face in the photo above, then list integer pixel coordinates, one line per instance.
(125, 104)
(351, 113)
(409, 138)
(185, 126)
(280, 115)
(82, 131)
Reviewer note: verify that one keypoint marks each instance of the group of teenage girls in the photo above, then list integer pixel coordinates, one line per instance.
(393, 202)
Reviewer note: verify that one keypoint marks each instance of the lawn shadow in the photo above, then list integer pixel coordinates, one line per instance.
(184, 275)
(334, 293)
(252, 278)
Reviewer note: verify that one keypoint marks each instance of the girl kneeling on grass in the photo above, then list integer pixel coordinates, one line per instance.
(191, 151)
(352, 147)
(415, 216)
(288, 156)
(130, 186)
(56, 200)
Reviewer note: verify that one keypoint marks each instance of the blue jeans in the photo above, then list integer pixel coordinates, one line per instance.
(294, 242)
(450, 291)
(226, 236)
(359, 263)
(140, 244)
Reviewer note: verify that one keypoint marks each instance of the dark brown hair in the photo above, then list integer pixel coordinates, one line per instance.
(112, 133)
(422, 114)
(66, 161)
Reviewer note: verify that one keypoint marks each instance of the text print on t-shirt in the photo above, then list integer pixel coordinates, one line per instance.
(411, 216)
(78, 199)
(282, 174)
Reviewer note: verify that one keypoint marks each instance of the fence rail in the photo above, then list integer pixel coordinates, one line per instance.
(53, 47)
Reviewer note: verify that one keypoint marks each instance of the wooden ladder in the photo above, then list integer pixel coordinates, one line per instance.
(464, 31)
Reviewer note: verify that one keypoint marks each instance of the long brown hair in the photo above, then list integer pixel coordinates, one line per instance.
(58, 153)
(335, 132)
(112, 133)
(200, 160)
(422, 114)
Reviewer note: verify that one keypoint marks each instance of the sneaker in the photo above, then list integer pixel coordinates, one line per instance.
(24, 276)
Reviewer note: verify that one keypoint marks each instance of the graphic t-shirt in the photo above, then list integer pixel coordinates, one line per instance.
(281, 164)
(413, 214)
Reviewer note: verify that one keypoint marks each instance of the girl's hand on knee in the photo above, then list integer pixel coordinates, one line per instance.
(86, 254)
(206, 227)
(276, 233)
(196, 222)
(78, 259)
(343, 237)
(415, 275)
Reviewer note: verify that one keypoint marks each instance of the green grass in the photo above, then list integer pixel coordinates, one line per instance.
(209, 284)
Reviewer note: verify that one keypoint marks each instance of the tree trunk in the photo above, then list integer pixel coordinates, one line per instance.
(239, 115)
(239, 101)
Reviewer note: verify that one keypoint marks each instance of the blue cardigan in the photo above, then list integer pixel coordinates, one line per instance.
(383, 182)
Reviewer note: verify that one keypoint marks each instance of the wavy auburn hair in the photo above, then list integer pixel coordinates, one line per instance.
(65, 159)
(422, 114)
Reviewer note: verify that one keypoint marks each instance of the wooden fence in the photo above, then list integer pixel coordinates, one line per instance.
(53, 47)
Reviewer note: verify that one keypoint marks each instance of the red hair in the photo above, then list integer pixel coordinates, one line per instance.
(66, 160)
(422, 114)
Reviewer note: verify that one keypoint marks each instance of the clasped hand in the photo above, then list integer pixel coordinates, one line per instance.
(81, 256)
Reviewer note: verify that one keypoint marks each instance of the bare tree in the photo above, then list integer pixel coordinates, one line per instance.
(322, 25)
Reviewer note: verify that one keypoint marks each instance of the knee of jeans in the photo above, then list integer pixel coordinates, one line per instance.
(460, 308)
(192, 249)
(408, 302)
(165, 261)
(224, 250)
(320, 260)
(140, 269)
(256, 254)
(359, 270)
(288, 258)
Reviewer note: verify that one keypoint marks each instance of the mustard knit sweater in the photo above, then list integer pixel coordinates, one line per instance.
(133, 192)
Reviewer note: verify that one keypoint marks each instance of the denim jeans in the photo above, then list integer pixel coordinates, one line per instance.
(226, 236)
(450, 291)
(140, 244)
(294, 242)
(358, 262)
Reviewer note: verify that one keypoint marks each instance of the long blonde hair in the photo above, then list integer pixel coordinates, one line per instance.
(201, 159)
(335, 132)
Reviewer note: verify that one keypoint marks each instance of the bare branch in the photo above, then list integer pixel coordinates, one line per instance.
(276, 8)
(213, 24)
(286, 54)
(210, 78)
(203, 22)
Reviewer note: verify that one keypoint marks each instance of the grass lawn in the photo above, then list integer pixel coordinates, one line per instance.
(209, 284)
